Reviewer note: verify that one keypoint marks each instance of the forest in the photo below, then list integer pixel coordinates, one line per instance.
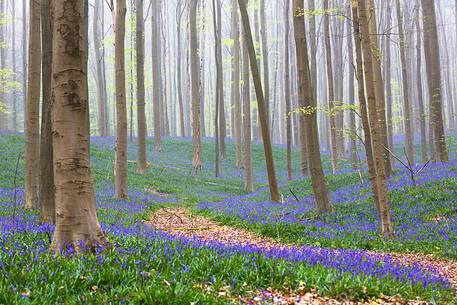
(228, 152)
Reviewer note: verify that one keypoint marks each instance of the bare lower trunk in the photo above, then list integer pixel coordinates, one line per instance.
(99, 75)
(287, 88)
(378, 82)
(261, 105)
(195, 80)
(120, 163)
(247, 127)
(405, 82)
(307, 101)
(432, 58)
(375, 125)
(235, 95)
(140, 94)
(32, 109)
(47, 191)
(76, 218)
(156, 74)
(420, 97)
(331, 97)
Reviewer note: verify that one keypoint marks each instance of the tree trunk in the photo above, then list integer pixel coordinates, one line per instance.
(120, 168)
(351, 80)
(262, 111)
(409, 138)
(219, 90)
(420, 97)
(179, 12)
(99, 75)
(378, 82)
(140, 94)
(287, 88)
(266, 70)
(375, 124)
(307, 101)
(156, 73)
(13, 59)
(47, 191)
(363, 108)
(195, 80)
(32, 110)
(331, 97)
(235, 95)
(432, 58)
(388, 81)
(76, 219)
(24, 58)
(247, 125)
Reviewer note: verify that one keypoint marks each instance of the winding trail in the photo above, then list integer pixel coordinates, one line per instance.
(180, 222)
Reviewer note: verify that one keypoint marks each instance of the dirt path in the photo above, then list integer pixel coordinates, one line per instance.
(180, 222)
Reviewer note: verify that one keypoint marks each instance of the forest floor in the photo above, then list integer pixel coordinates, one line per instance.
(181, 239)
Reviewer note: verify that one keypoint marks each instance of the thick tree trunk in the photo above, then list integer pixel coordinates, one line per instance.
(262, 111)
(156, 73)
(99, 75)
(287, 87)
(247, 125)
(195, 80)
(47, 190)
(331, 96)
(409, 139)
(432, 58)
(375, 125)
(140, 94)
(307, 101)
(76, 219)
(32, 110)
(120, 163)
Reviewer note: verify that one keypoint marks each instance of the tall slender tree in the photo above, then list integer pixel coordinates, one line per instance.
(287, 88)
(195, 81)
(120, 163)
(46, 186)
(235, 92)
(247, 124)
(373, 113)
(180, 9)
(331, 92)
(101, 91)
(156, 73)
(76, 218)
(140, 91)
(307, 101)
(261, 105)
(409, 140)
(32, 109)
(420, 96)
(432, 59)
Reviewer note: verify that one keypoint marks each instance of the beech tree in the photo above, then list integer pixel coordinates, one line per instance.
(46, 185)
(195, 92)
(76, 218)
(432, 59)
(156, 73)
(308, 103)
(409, 140)
(101, 90)
(32, 109)
(140, 91)
(261, 105)
(120, 161)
